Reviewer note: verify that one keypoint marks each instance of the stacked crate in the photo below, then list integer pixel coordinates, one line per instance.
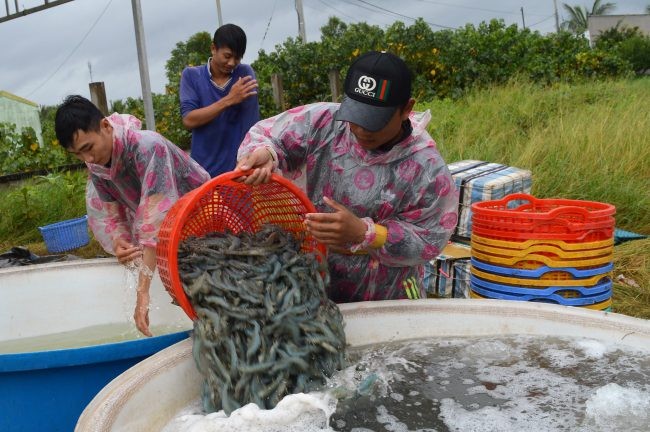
(547, 250)
(447, 275)
(478, 181)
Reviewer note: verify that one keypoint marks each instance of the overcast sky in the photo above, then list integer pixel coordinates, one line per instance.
(46, 55)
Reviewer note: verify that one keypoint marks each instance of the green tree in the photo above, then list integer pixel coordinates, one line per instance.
(629, 44)
(577, 22)
(191, 53)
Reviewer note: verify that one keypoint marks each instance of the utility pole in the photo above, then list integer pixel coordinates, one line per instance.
(522, 17)
(557, 18)
(144, 66)
(219, 13)
(301, 21)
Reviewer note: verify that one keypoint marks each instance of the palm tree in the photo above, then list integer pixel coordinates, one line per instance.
(577, 22)
(647, 9)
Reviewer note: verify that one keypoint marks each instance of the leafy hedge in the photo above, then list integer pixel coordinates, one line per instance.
(446, 64)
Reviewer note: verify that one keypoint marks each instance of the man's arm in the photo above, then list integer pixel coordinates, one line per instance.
(244, 88)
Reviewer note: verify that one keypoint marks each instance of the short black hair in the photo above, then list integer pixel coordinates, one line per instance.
(74, 114)
(230, 36)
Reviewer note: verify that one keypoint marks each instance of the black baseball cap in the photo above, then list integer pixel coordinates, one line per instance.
(377, 84)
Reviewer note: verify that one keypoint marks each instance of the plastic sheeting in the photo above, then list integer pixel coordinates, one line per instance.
(20, 256)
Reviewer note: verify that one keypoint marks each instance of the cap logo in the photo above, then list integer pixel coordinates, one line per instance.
(368, 86)
(367, 83)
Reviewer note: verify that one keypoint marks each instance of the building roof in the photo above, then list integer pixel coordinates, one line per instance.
(12, 96)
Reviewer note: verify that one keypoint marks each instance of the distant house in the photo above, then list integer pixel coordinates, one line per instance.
(596, 24)
(21, 112)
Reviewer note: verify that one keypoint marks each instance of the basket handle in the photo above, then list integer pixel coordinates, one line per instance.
(565, 210)
(518, 196)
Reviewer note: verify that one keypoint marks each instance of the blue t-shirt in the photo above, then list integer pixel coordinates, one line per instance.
(215, 144)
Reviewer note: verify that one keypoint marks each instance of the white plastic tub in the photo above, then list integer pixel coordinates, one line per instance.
(45, 386)
(170, 378)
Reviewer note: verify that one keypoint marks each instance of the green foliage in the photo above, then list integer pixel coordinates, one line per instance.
(445, 63)
(20, 150)
(629, 44)
(191, 53)
(167, 114)
(40, 201)
(581, 141)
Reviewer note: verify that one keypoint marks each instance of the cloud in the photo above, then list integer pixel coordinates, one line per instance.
(45, 55)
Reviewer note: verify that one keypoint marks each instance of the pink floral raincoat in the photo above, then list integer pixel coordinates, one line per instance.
(408, 189)
(147, 175)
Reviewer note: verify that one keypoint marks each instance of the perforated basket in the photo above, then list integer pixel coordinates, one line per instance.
(525, 244)
(539, 255)
(560, 219)
(224, 204)
(66, 235)
(601, 306)
(537, 210)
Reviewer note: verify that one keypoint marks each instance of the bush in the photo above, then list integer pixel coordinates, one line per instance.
(20, 150)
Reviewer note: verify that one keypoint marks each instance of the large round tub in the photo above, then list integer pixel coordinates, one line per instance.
(171, 379)
(45, 389)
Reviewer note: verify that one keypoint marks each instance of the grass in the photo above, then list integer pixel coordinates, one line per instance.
(588, 142)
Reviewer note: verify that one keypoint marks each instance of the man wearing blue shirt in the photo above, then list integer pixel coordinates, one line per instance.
(219, 101)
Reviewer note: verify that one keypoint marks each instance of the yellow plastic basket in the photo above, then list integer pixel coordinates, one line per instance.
(525, 244)
(533, 261)
(543, 249)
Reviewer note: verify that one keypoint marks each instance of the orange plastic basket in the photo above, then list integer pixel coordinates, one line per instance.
(224, 204)
(536, 210)
(543, 226)
(577, 237)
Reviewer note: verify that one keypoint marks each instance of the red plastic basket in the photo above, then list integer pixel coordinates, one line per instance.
(558, 225)
(536, 209)
(225, 204)
(574, 237)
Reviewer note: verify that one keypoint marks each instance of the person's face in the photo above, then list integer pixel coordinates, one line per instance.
(223, 61)
(372, 140)
(94, 147)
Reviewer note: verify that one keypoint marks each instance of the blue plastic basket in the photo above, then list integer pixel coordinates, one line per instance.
(540, 271)
(551, 298)
(65, 235)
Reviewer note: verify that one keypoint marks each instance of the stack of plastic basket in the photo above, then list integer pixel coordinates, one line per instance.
(546, 250)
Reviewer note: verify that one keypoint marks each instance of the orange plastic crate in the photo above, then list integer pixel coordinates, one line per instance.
(224, 204)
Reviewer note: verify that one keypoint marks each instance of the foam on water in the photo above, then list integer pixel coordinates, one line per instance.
(295, 413)
(464, 384)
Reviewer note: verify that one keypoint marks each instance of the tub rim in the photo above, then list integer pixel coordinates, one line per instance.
(102, 412)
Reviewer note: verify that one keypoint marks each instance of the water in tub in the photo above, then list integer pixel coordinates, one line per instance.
(462, 384)
(96, 334)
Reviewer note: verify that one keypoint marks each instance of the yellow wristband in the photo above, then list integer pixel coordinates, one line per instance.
(381, 233)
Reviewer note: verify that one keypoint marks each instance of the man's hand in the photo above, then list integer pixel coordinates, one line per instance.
(244, 88)
(141, 313)
(125, 251)
(338, 229)
(261, 162)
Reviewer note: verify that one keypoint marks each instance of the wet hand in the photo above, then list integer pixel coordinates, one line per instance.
(337, 229)
(141, 313)
(244, 88)
(125, 251)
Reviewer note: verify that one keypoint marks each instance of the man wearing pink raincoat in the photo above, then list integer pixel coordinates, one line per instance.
(135, 178)
(386, 201)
